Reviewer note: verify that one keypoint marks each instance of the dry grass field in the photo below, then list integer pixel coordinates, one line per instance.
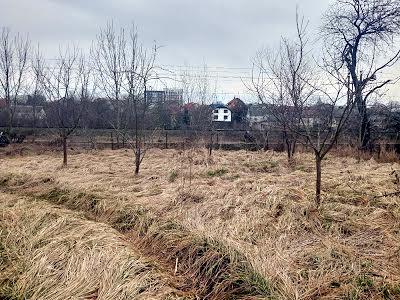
(241, 225)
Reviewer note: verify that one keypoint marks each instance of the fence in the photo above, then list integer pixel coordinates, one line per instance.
(182, 139)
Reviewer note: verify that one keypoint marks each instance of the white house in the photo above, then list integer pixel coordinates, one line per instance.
(221, 113)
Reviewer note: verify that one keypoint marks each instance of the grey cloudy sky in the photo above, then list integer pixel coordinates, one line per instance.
(220, 33)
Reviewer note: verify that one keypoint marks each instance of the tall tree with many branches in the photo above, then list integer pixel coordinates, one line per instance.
(361, 41)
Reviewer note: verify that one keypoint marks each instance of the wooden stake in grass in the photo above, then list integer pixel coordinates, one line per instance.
(176, 266)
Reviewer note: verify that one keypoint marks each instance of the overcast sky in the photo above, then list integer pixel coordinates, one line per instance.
(224, 34)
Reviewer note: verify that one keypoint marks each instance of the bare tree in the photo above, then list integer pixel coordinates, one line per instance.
(108, 54)
(37, 66)
(324, 111)
(317, 115)
(280, 79)
(201, 91)
(67, 86)
(361, 38)
(14, 51)
(139, 71)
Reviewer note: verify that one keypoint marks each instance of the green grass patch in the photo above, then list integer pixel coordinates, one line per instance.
(262, 166)
(217, 173)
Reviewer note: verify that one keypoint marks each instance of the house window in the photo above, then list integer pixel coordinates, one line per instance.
(225, 117)
(216, 117)
(216, 111)
(225, 111)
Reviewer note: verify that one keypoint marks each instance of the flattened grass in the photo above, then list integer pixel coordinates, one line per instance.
(53, 254)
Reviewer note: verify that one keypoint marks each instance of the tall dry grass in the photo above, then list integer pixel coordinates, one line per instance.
(50, 253)
(212, 270)
(260, 205)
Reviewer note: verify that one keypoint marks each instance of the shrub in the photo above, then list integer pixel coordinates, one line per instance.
(172, 177)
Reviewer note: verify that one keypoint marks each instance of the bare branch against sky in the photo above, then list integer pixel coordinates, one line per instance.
(224, 34)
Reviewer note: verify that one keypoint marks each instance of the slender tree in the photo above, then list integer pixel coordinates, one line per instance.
(280, 79)
(200, 92)
(139, 71)
(14, 66)
(324, 111)
(37, 66)
(67, 85)
(108, 53)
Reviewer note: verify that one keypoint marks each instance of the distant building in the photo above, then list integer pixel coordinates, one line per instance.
(239, 112)
(260, 117)
(29, 112)
(221, 113)
(165, 96)
(174, 95)
(155, 96)
(265, 116)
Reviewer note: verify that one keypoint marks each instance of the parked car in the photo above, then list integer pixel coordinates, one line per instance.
(4, 141)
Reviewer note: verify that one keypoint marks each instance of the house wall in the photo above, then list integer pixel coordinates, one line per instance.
(222, 115)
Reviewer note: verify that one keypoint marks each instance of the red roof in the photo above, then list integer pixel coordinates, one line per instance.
(190, 106)
(236, 105)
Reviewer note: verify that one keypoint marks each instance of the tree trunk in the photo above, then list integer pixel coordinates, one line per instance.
(266, 146)
(9, 120)
(65, 161)
(365, 125)
(137, 163)
(318, 179)
(293, 148)
(211, 145)
(34, 121)
(288, 148)
(365, 131)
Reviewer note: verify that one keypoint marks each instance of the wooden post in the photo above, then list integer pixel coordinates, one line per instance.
(211, 144)
(379, 150)
(166, 139)
(112, 141)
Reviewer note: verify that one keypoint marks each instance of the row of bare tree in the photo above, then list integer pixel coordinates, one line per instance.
(116, 65)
